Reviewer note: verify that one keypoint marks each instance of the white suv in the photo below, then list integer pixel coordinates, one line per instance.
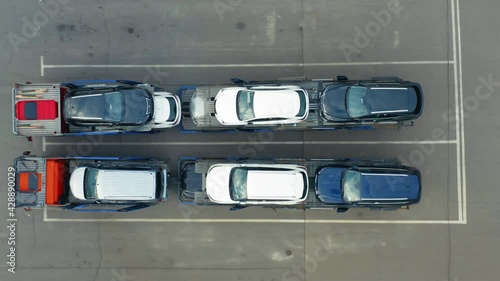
(257, 184)
(261, 105)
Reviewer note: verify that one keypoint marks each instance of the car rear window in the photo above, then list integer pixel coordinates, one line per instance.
(302, 110)
(238, 184)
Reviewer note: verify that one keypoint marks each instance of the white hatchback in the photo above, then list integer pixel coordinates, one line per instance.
(257, 184)
(261, 105)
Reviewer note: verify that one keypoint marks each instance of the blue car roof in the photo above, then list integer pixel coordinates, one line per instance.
(376, 185)
(389, 186)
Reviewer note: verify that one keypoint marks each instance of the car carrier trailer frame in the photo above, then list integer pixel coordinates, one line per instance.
(193, 170)
(38, 109)
(203, 97)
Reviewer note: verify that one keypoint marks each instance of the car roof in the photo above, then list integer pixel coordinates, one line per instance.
(389, 186)
(281, 103)
(126, 184)
(284, 184)
(383, 99)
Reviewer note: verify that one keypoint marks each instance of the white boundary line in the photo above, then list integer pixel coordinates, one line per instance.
(462, 124)
(457, 113)
(44, 66)
(257, 142)
(290, 221)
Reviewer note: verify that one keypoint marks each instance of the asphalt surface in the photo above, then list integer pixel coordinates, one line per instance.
(450, 47)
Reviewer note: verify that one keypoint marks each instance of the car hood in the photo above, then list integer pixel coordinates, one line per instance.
(328, 183)
(333, 103)
(138, 107)
(162, 109)
(76, 183)
(217, 183)
(225, 106)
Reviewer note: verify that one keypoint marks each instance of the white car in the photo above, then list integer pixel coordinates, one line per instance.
(261, 105)
(167, 110)
(257, 184)
(91, 184)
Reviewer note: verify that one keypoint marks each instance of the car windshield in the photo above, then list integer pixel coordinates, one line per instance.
(238, 184)
(114, 107)
(356, 102)
(138, 106)
(351, 186)
(89, 183)
(244, 105)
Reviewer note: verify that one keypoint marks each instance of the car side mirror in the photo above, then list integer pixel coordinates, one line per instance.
(237, 207)
(342, 210)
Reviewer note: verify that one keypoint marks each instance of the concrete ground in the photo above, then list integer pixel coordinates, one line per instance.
(450, 47)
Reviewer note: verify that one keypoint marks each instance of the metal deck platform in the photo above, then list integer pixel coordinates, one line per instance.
(204, 101)
(36, 92)
(193, 174)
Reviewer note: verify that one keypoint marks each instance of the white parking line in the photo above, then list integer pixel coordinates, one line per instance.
(44, 66)
(457, 111)
(291, 221)
(462, 129)
(452, 142)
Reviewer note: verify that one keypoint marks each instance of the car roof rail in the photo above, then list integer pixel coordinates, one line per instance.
(387, 79)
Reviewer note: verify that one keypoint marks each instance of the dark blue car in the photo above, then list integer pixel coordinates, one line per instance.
(371, 101)
(368, 186)
(107, 102)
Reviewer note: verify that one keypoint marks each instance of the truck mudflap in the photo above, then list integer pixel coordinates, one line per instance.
(192, 173)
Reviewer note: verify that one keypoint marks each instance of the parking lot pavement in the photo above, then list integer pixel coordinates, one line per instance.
(426, 41)
(361, 31)
(392, 251)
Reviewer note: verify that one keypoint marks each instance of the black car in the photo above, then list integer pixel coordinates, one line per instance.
(368, 186)
(121, 105)
(371, 101)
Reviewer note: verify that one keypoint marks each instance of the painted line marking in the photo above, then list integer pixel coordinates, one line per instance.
(291, 221)
(462, 128)
(457, 113)
(452, 142)
(44, 66)
(44, 147)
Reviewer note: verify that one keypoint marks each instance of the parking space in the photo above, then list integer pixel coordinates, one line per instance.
(364, 31)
